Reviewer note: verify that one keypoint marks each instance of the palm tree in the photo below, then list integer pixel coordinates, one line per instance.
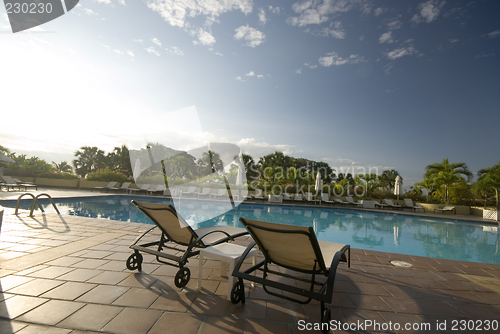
(447, 174)
(62, 167)
(211, 162)
(388, 178)
(429, 186)
(89, 159)
(490, 178)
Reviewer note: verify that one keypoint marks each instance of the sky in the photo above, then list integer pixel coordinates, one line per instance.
(362, 85)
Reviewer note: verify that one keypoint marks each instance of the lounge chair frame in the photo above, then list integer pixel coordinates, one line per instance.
(323, 295)
(166, 242)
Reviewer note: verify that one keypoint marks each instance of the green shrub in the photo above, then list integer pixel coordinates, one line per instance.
(107, 175)
(66, 176)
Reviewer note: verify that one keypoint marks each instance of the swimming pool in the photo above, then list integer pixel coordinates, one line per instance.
(396, 233)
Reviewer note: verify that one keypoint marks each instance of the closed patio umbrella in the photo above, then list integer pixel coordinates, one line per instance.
(239, 177)
(398, 186)
(5, 158)
(317, 184)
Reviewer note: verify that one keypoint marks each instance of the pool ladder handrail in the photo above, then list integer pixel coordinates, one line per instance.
(35, 201)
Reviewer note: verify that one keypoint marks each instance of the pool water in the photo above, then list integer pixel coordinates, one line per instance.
(396, 233)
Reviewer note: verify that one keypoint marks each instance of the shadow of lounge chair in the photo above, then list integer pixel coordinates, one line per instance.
(177, 236)
(292, 256)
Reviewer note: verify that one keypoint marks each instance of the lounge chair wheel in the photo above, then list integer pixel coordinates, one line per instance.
(182, 277)
(134, 261)
(238, 293)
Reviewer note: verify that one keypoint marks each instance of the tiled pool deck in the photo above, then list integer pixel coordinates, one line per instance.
(65, 274)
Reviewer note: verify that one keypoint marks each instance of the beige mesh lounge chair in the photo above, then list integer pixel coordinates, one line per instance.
(144, 187)
(221, 193)
(110, 185)
(159, 189)
(298, 197)
(351, 201)
(339, 201)
(177, 236)
(205, 192)
(190, 191)
(391, 204)
(258, 194)
(446, 209)
(310, 198)
(292, 256)
(10, 182)
(409, 205)
(124, 187)
(287, 197)
(326, 199)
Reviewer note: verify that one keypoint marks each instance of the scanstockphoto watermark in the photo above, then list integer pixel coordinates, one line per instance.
(375, 326)
(26, 14)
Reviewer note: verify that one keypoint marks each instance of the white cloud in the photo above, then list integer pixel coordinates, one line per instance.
(122, 2)
(239, 78)
(332, 58)
(253, 36)
(335, 30)
(250, 74)
(428, 11)
(262, 16)
(130, 53)
(379, 11)
(137, 40)
(175, 51)
(152, 50)
(175, 12)
(219, 54)
(299, 71)
(310, 66)
(118, 51)
(401, 52)
(274, 10)
(494, 34)
(260, 76)
(394, 25)
(106, 46)
(204, 38)
(89, 12)
(386, 38)
(256, 149)
(106, 2)
(317, 12)
(156, 41)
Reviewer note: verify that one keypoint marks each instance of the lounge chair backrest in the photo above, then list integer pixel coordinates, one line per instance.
(169, 222)
(287, 196)
(293, 247)
(297, 197)
(449, 208)
(258, 193)
(191, 189)
(112, 184)
(222, 192)
(349, 199)
(325, 197)
(145, 186)
(408, 202)
(309, 196)
(205, 191)
(125, 185)
(388, 201)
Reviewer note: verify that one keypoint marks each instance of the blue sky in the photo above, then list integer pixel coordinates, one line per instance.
(359, 84)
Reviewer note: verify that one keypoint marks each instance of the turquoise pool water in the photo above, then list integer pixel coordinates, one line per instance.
(396, 233)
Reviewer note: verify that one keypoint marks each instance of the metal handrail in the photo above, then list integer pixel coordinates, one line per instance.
(35, 201)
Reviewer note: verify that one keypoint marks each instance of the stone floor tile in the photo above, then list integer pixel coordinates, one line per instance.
(173, 301)
(8, 255)
(35, 287)
(138, 280)
(252, 309)
(109, 277)
(96, 254)
(89, 263)
(217, 325)
(12, 281)
(80, 275)
(113, 265)
(117, 256)
(10, 327)
(136, 297)
(91, 317)
(177, 323)
(51, 272)
(209, 304)
(64, 261)
(30, 270)
(38, 329)
(17, 305)
(103, 294)
(133, 321)
(51, 312)
(69, 290)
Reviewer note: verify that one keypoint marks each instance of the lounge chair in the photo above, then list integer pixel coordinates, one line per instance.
(298, 197)
(124, 187)
(446, 209)
(257, 194)
(310, 198)
(204, 192)
(190, 191)
(24, 184)
(409, 205)
(326, 199)
(220, 194)
(145, 187)
(391, 204)
(159, 189)
(177, 236)
(292, 256)
(381, 205)
(341, 202)
(10, 183)
(351, 201)
(275, 199)
(287, 197)
(110, 185)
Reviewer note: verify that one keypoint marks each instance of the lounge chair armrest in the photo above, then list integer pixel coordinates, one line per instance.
(142, 235)
(243, 257)
(210, 232)
(333, 268)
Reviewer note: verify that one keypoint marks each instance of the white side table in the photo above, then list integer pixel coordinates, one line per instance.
(228, 254)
